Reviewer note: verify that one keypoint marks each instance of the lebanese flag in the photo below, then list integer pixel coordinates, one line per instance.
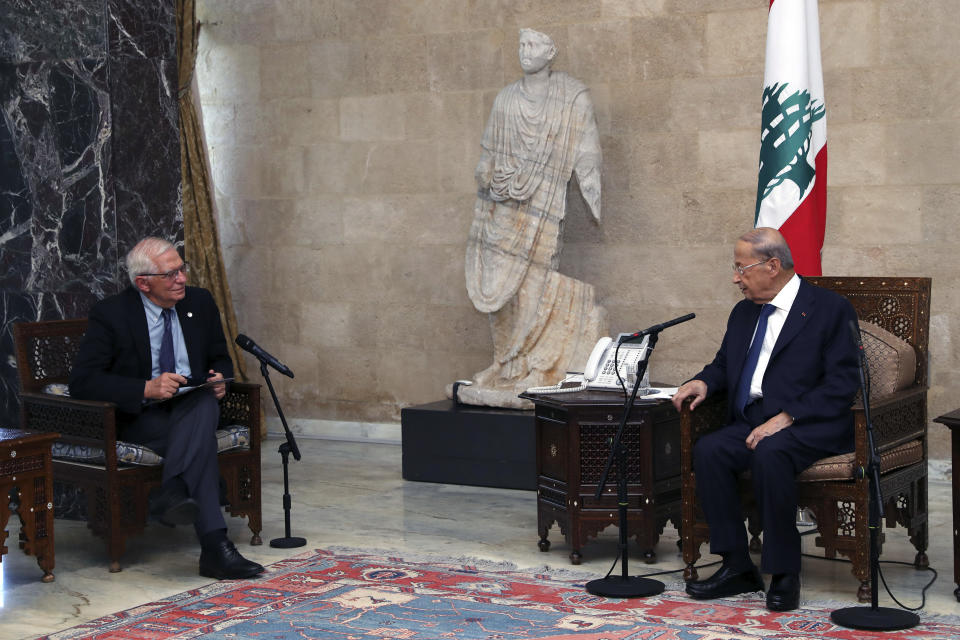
(792, 181)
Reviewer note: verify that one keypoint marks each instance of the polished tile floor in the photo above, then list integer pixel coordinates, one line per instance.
(351, 495)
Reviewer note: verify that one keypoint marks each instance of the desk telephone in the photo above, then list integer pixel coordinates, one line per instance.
(599, 371)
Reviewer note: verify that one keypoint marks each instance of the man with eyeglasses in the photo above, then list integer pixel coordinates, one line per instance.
(141, 346)
(789, 366)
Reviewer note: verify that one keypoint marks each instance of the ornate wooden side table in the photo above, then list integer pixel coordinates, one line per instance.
(573, 442)
(952, 420)
(25, 466)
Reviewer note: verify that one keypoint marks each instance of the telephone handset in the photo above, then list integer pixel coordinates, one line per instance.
(599, 372)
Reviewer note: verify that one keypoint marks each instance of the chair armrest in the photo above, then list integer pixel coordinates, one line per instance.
(709, 415)
(897, 418)
(86, 422)
(893, 400)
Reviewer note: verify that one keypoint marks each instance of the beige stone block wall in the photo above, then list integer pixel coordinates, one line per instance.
(343, 136)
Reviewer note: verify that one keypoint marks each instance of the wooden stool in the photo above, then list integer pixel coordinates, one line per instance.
(25, 466)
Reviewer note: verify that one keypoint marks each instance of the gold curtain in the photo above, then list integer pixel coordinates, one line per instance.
(201, 242)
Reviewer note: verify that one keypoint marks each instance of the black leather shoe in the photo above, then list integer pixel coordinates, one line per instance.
(784, 594)
(172, 506)
(726, 582)
(224, 562)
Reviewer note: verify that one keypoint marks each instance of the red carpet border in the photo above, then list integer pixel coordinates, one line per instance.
(357, 596)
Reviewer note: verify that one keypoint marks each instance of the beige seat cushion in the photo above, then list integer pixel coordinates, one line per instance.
(892, 361)
(841, 467)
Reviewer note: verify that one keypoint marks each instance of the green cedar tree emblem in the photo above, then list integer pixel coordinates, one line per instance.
(785, 135)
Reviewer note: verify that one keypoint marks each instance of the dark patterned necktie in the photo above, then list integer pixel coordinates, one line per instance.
(742, 397)
(167, 362)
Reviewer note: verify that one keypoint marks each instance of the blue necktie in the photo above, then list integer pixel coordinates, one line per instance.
(753, 356)
(167, 361)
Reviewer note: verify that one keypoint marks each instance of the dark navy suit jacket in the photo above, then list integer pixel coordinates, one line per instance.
(813, 373)
(114, 361)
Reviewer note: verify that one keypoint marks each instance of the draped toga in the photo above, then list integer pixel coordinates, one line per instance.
(532, 145)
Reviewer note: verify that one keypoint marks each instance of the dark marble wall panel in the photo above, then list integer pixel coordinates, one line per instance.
(89, 154)
(15, 205)
(40, 30)
(142, 29)
(57, 120)
(146, 185)
(143, 89)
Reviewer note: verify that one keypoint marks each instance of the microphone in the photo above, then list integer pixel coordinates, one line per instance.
(857, 340)
(657, 328)
(249, 345)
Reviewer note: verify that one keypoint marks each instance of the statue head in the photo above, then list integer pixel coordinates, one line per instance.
(537, 50)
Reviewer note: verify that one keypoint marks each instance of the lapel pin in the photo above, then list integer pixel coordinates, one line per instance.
(189, 314)
(803, 314)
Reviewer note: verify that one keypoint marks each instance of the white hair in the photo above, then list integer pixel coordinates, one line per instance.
(769, 243)
(141, 259)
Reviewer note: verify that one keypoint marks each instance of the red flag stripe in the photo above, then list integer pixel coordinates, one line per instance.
(804, 230)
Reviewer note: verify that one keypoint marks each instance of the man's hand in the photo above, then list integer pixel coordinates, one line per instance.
(219, 390)
(163, 386)
(780, 421)
(697, 389)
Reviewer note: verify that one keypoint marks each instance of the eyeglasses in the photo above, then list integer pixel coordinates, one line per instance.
(741, 270)
(170, 275)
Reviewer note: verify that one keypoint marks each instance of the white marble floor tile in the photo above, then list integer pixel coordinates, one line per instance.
(350, 494)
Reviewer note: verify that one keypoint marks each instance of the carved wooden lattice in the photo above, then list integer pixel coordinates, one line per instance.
(46, 351)
(13, 466)
(40, 507)
(235, 408)
(66, 419)
(899, 305)
(595, 449)
(906, 420)
(51, 357)
(846, 518)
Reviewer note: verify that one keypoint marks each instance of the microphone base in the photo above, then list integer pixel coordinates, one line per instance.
(291, 542)
(620, 587)
(875, 619)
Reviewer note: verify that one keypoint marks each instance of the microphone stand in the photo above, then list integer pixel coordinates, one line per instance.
(624, 586)
(287, 447)
(872, 618)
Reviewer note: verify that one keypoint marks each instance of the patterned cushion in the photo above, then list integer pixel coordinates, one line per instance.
(57, 389)
(892, 361)
(232, 437)
(841, 467)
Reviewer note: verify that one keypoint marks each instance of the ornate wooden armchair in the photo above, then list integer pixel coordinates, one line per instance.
(836, 489)
(115, 494)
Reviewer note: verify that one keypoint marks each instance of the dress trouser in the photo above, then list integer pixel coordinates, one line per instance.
(183, 431)
(720, 457)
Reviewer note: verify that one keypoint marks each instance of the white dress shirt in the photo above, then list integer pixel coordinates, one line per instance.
(783, 301)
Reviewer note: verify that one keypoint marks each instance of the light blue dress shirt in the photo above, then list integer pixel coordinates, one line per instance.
(155, 329)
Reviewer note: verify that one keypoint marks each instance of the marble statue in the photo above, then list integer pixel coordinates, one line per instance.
(541, 130)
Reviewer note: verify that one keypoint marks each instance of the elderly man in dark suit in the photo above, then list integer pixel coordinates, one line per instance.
(788, 363)
(141, 346)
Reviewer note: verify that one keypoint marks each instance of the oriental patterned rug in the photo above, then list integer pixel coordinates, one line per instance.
(352, 596)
